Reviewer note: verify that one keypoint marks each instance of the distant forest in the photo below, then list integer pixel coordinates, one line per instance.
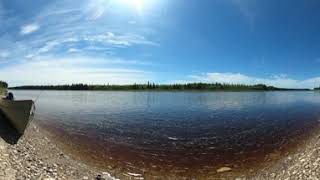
(159, 87)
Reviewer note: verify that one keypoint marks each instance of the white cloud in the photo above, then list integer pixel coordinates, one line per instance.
(222, 77)
(71, 70)
(97, 13)
(29, 28)
(132, 22)
(29, 56)
(4, 54)
(237, 78)
(73, 50)
(95, 9)
(48, 46)
(119, 40)
(106, 42)
(88, 61)
(65, 27)
(280, 76)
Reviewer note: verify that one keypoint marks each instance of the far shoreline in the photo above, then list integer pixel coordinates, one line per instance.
(160, 87)
(186, 90)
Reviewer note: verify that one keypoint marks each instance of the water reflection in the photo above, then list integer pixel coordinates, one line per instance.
(179, 133)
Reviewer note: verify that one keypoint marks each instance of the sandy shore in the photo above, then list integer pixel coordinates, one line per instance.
(35, 156)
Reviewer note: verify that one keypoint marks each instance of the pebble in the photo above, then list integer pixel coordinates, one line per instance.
(32, 158)
(2, 147)
(28, 160)
(99, 177)
(50, 178)
(223, 169)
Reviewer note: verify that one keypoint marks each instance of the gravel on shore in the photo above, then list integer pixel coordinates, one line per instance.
(35, 156)
(303, 164)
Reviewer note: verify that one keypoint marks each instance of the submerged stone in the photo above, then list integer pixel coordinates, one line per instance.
(223, 169)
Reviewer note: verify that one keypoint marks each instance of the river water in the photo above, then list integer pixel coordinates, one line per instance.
(177, 134)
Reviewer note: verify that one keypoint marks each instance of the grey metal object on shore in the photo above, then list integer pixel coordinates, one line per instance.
(18, 113)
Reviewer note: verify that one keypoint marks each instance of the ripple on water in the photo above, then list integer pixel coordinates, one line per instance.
(179, 134)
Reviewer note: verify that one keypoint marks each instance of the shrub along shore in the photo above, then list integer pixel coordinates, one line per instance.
(3, 84)
(3, 87)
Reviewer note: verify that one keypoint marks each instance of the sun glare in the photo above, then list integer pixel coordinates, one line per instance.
(137, 4)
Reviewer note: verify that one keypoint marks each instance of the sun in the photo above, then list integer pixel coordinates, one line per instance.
(137, 4)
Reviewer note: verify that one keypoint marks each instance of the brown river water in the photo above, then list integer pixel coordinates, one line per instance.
(161, 135)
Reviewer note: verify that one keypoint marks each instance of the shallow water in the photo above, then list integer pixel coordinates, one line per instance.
(176, 134)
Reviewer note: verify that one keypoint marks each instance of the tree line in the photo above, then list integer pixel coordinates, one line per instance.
(153, 86)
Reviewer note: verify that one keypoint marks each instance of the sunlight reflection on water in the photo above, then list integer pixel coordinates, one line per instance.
(178, 132)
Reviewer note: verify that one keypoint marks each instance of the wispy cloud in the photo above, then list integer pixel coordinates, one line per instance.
(72, 50)
(119, 40)
(87, 61)
(66, 29)
(97, 13)
(248, 8)
(96, 9)
(281, 80)
(105, 42)
(77, 70)
(29, 28)
(64, 37)
(132, 22)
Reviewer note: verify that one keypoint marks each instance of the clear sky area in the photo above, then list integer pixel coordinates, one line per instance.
(163, 41)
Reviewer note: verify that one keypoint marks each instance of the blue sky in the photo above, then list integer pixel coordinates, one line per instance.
(162, 41)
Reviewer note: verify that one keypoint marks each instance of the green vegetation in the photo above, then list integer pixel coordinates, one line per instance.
(3, 87)
(317, 88)
(159, 87)
(3, 84)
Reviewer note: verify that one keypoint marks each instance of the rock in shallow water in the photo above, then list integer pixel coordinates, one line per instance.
(223, 169)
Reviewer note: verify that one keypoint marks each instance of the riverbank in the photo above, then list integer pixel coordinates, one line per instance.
(303, 164)
(35, 156)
